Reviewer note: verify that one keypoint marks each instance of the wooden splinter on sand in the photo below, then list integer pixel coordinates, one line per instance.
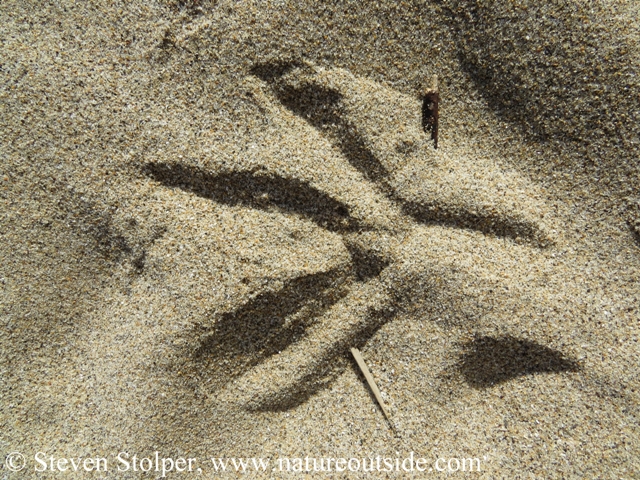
(430, 111)
(372, 384)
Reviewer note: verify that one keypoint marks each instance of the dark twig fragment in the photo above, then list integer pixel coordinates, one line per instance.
(430, 111)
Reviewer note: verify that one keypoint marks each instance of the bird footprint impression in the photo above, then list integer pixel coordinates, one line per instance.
(360, 193)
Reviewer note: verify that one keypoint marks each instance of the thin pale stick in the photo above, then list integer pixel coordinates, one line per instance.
(372, 384)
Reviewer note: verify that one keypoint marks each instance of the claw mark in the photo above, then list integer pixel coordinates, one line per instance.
(430, 111)
(488, 361)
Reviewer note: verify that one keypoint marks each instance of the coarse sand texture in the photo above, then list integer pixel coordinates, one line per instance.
(208, 206)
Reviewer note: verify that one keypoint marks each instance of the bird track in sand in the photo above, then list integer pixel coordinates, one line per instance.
(304, 327)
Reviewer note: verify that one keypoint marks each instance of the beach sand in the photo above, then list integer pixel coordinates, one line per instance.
(206, 205)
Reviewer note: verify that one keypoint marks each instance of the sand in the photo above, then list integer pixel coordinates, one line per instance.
(207, 205)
